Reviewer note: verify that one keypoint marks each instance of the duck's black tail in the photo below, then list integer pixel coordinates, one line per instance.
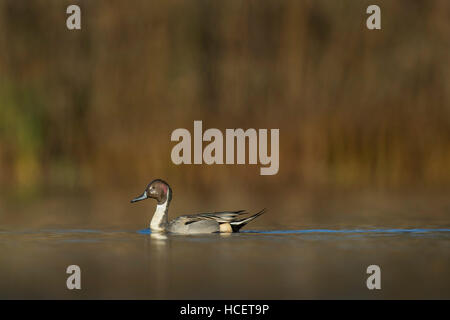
(238, 224)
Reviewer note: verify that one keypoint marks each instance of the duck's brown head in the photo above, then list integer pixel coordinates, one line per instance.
(157, 189)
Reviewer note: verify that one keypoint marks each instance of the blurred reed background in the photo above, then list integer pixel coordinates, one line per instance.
(86, 116)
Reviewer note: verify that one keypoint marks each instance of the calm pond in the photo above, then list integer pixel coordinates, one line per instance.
(307, 263)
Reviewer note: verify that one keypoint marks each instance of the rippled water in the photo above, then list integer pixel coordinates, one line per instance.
(254, 264)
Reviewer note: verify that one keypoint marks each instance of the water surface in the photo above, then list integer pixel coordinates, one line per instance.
(255, 264)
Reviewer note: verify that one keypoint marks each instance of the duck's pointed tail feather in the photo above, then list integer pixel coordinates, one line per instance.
(238, 224)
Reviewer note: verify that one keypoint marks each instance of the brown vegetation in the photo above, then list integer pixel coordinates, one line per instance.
(96, 107)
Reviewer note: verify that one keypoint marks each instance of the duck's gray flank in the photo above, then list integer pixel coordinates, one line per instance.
(223, 222)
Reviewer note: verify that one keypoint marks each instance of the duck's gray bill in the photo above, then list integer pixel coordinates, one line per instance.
(142, 197)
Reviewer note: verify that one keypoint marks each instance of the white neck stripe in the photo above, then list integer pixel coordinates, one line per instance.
(157, 223)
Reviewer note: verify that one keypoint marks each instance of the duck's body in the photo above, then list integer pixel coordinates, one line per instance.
(223, 222)
(215, 222)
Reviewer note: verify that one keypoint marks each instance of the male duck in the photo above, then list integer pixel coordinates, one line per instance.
(222, 222)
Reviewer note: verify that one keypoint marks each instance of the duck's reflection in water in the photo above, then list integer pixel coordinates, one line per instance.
(159, 238)
(157, 255)
(165, 253)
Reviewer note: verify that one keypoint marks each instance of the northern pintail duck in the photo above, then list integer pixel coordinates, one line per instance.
(221, 222)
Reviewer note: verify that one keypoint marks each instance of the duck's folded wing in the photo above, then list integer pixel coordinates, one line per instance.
(221, 217)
